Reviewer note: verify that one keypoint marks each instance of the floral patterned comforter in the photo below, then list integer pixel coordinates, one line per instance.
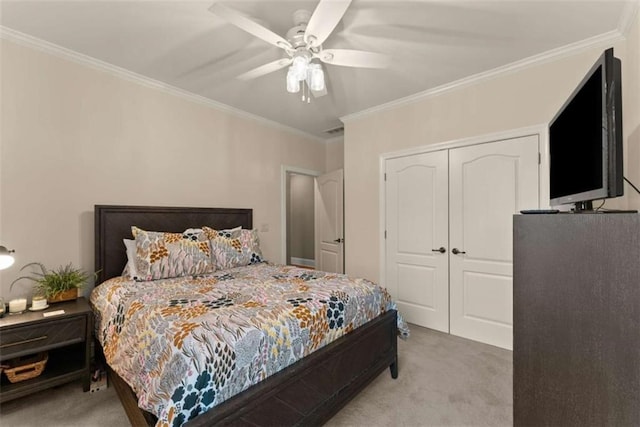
(187, 344)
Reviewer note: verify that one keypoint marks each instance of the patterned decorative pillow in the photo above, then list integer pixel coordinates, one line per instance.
(235, 250)
(196, 233)
(161, 255)
(213, 234)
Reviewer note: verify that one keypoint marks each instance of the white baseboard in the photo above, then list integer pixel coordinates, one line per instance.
(303, 261)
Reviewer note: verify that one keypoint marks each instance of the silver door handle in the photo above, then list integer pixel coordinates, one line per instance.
(339, 240)
(456, 251)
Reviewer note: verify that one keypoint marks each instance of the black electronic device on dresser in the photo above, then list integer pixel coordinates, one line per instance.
(585, 139)
(65, 337)
(576, 320)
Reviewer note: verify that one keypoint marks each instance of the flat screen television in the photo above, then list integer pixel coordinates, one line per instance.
(585, 139)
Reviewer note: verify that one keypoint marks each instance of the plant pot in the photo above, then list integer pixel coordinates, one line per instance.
(67, 295)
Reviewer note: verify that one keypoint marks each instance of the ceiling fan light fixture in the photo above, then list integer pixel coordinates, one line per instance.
(315, 77)
(303, 44)
(302, 71)
(299, 66)
(293, 83)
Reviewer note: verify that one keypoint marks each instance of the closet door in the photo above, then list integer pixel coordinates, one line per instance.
(417, 273)
(488, 184)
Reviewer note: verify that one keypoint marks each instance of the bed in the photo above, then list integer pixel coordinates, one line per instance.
(307, 392)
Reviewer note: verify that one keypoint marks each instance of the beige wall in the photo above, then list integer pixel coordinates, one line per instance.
(524, 98)
(631, 110)
(301, 216)
(72, 137)
(335, 155)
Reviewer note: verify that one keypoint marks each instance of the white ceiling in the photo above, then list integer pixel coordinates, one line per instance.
(433, 43)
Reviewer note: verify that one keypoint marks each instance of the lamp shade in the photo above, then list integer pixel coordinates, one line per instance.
(293, 84)
(299, 67)
(315, 77)
(6, 259)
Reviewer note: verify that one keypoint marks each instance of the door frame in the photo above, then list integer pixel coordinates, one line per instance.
(284, 170)
(541, 131)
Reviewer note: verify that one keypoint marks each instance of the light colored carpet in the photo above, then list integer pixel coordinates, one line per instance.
(443, 381)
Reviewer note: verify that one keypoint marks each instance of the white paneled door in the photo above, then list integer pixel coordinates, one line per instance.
(329, 218)
(488, 183)
(448, 247)
(417, 266)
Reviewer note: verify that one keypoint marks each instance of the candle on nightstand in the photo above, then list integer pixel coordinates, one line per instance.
(17, 305)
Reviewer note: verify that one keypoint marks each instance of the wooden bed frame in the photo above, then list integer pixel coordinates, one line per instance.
(310, 391)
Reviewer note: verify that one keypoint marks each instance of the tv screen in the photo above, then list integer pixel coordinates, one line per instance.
(585, 138)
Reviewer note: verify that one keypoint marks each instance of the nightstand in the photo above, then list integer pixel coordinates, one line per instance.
(66, 337)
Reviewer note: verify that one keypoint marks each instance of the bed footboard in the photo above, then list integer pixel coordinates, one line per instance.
(315, 388)
(308, 392)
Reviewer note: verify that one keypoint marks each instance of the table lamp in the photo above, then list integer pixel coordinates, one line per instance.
(6, 259)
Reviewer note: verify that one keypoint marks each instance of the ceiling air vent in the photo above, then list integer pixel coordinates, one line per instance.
(335, 131)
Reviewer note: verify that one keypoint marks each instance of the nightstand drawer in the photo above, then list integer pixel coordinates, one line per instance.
(22, 340)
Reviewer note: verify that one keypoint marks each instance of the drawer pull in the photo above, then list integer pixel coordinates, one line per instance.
(44, 337)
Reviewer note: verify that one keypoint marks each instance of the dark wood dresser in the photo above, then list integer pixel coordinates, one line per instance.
(65, 337)
(576, 320)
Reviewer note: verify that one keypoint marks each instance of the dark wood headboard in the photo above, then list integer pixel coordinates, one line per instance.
(113, 223)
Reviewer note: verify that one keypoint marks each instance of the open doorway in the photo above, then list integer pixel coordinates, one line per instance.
(298, 216)
(300, 220)
(312, 224)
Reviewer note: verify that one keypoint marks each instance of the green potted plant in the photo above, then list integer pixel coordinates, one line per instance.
(56, 285)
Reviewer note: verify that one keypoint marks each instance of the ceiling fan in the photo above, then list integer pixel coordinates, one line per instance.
(303, 44)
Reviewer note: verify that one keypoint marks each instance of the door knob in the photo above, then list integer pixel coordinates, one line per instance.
(456, 251)
(339, 240)
(441, 249)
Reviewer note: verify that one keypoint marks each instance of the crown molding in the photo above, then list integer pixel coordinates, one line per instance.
(602, 40)
(628, 16)
(113, 70)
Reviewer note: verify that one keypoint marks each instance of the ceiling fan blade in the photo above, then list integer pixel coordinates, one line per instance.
(324, 19)
(354, 58)
(265, 69)
(239, 20)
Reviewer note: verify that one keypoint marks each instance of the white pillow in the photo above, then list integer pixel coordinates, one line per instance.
(130, 269)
